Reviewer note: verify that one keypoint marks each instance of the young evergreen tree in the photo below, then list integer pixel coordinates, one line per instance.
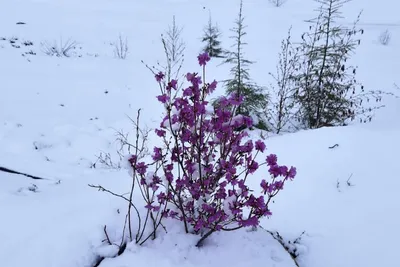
(211, 39)
(255, 100)
(326, 85)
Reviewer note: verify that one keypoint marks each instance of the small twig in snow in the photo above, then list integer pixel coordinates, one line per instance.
(348, 181)
(332, 147)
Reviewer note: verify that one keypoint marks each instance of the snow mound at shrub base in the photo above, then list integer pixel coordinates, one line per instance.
(239, 248)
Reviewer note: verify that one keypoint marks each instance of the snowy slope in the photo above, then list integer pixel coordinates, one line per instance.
(58, 114)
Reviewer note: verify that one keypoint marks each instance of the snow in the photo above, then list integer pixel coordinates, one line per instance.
(58, 114)
(177, 249)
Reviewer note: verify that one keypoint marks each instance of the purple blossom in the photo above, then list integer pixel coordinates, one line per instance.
(248, 121)
(169, 176)
(272, 160)
(212, 86)
(278, 185)
(223, 102)
(203, 59)
(132, 160)
(141, 168)
(193, 79)
(275, 170)
(162, 198)
(235, 100)
(253, 167)
(160, 133)
(221, 193)
(172, 84)
(173, 214)
(283, 170)
(199, 225)
(157, 155)
(264, 185)
(190, 76)
(260, 146)
(248, 147)
(163, 98)
(169, 167)
(187, 92)
(292, 172)
(152, 208)
(159, 76)
(252, 221)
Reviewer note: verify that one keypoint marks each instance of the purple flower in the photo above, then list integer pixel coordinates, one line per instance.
(272, 160)
(292, 172)
(160, 133)
(248, 147)
(163, 98)
(248, 121)
(235, 99)
(223, 102)
(221, 193)
(278, 185)
(275, 170)
(141, 168)
(267, 213)
(190, 76)
(157, 153)
(132, 160)
(153, 208)
(169, 176)
(159, 76)
(199, 225)
(203, 59)
(188, 92)
(172, 84)
(260, 146)
(173, 214)
(252, 221)
(161, 197)
(253, 166)
(264, 185)
(211, 87)
(283, 170)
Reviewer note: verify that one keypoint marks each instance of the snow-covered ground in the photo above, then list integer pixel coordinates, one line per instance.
(58, 114)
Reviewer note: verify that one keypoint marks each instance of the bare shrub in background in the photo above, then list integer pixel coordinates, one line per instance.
(281, 109)
(121, 49)
(174, 48)
(60, 48)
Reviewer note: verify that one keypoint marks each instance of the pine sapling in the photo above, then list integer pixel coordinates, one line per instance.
(211, 38)
(327, 91)
(255, 99)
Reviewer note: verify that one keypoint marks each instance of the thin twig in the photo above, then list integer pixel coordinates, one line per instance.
(133, 184)
(105, 232)
(100, 188)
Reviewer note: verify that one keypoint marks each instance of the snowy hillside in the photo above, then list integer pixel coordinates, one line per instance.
(58, 115)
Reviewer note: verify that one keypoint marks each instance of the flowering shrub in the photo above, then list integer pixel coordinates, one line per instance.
(199, 175)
